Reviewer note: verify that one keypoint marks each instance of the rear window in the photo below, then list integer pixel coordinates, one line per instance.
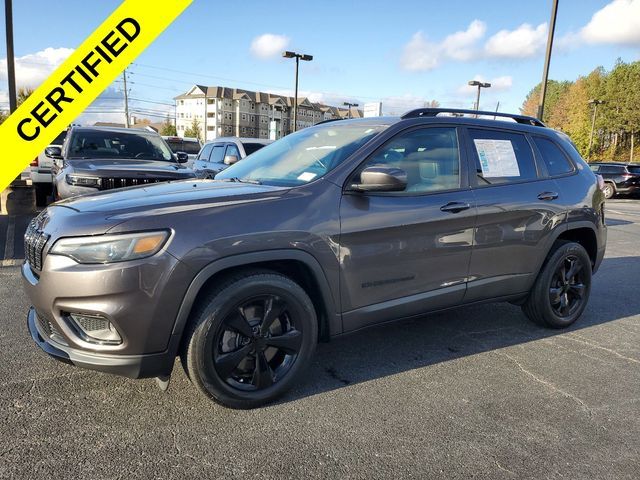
(190, 147)
(615, 169)
(556, 161)
(249, 148)
(502, 157)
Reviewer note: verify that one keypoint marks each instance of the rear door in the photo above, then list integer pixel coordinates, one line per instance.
(518, 206)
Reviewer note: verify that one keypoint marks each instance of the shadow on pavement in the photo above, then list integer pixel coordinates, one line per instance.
(410, 344)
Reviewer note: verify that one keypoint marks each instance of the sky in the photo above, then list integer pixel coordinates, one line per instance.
(402, 53)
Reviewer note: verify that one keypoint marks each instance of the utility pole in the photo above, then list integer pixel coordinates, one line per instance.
(298, 57)
(595, 104)
(547, 59)
(126, 99)
(11, 70)
(480, 85)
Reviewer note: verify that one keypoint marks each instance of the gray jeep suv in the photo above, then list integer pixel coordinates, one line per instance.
(334, 228)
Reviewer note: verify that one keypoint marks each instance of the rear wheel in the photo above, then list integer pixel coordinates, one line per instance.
(608, 190)
(250, 340)
(562, 289)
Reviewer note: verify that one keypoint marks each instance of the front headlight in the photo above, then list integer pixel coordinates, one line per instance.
(110, 248)
(84, 181)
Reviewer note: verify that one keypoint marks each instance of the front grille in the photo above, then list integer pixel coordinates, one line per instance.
(34, 243)
(49, 329)
(109, 183)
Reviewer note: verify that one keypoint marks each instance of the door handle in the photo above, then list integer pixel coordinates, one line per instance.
(547, 196)
(455, 207)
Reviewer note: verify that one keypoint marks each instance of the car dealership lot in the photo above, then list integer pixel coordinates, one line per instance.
(478, 391)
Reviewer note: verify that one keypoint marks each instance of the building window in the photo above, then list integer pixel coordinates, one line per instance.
(244, 116)
(181, 102)
(210, 114)
(210, 128)
(211, 101)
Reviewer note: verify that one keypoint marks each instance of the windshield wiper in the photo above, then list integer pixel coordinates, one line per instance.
(242, 180)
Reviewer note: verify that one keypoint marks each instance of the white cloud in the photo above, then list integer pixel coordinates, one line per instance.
(420, 54)
(461, 45)
(269, 45)
(498, 84)
(33, 69)
(617, 23)
(525, 41)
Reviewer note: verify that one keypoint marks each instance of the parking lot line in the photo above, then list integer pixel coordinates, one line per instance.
(10, 240)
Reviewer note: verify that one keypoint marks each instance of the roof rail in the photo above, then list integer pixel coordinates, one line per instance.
(433, 112)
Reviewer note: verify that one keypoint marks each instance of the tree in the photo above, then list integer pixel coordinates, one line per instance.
(168, 129)
(555, 91)
(194, 130)
(431, 104)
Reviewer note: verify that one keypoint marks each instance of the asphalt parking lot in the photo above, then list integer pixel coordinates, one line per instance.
(477, 392)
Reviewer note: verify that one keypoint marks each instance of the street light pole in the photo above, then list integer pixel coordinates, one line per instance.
(298, 57)
(11, 72)
(476, 83)
(547, 58)
(595, 104)
(349, 105)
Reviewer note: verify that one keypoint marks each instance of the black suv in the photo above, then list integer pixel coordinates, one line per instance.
(102, 158)
(337, 227)
(619, 178)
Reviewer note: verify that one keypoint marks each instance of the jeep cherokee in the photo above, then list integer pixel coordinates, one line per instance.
(337, 227)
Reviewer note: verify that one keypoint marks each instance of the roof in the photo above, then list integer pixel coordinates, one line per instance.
(98, 128)
(263, 141)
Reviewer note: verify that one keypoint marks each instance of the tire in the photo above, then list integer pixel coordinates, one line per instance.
(560, 294)
(252, 368)
(608, 190)
(42, 194)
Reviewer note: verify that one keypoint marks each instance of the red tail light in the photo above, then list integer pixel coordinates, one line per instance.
(34, 163)
(600, 181)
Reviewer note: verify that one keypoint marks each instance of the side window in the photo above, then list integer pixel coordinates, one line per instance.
(594, 168)
(611, 169)
(217, 156)
(429, 156)
(556, 161)
(205, 152)
(232, 150)
(502, 157)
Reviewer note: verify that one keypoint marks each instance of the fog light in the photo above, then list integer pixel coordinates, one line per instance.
(95, 329)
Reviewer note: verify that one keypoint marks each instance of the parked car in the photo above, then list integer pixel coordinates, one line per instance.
(98, 158)
(189, 145)
(331, 229)
(40, 172)
(217, 155)
(619, 177)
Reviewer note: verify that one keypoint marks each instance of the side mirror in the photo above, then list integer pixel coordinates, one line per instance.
(381, 179)
(230, 159)
(182, 157)
(53, 152)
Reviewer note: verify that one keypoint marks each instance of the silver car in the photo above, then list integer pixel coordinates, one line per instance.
(218, 154)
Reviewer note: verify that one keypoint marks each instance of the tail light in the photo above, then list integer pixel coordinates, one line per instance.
(600, 181)
(34, 163)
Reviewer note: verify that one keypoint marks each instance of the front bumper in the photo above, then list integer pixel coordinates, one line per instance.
(132, 366)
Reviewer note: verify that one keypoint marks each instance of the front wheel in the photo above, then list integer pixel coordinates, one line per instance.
(250, 340)
(561, 291)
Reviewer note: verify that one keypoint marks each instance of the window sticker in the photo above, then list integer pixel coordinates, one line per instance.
(497, 158)
(307, 176)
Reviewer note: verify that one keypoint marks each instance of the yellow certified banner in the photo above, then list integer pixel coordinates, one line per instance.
(80, 79)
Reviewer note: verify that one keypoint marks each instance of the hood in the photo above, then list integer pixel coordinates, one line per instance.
(170, 197)
(129, 168)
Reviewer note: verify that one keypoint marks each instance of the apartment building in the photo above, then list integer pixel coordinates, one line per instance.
(224, 112)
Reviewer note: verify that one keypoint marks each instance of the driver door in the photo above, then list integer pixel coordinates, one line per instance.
(405, 253)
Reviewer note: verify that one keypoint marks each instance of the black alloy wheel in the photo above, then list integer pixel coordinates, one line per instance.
(568, 288)
(256, 344)
(250, 339)
(561, 290)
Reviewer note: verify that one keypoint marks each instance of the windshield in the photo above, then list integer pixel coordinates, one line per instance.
(111, 144)
(301, 157)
